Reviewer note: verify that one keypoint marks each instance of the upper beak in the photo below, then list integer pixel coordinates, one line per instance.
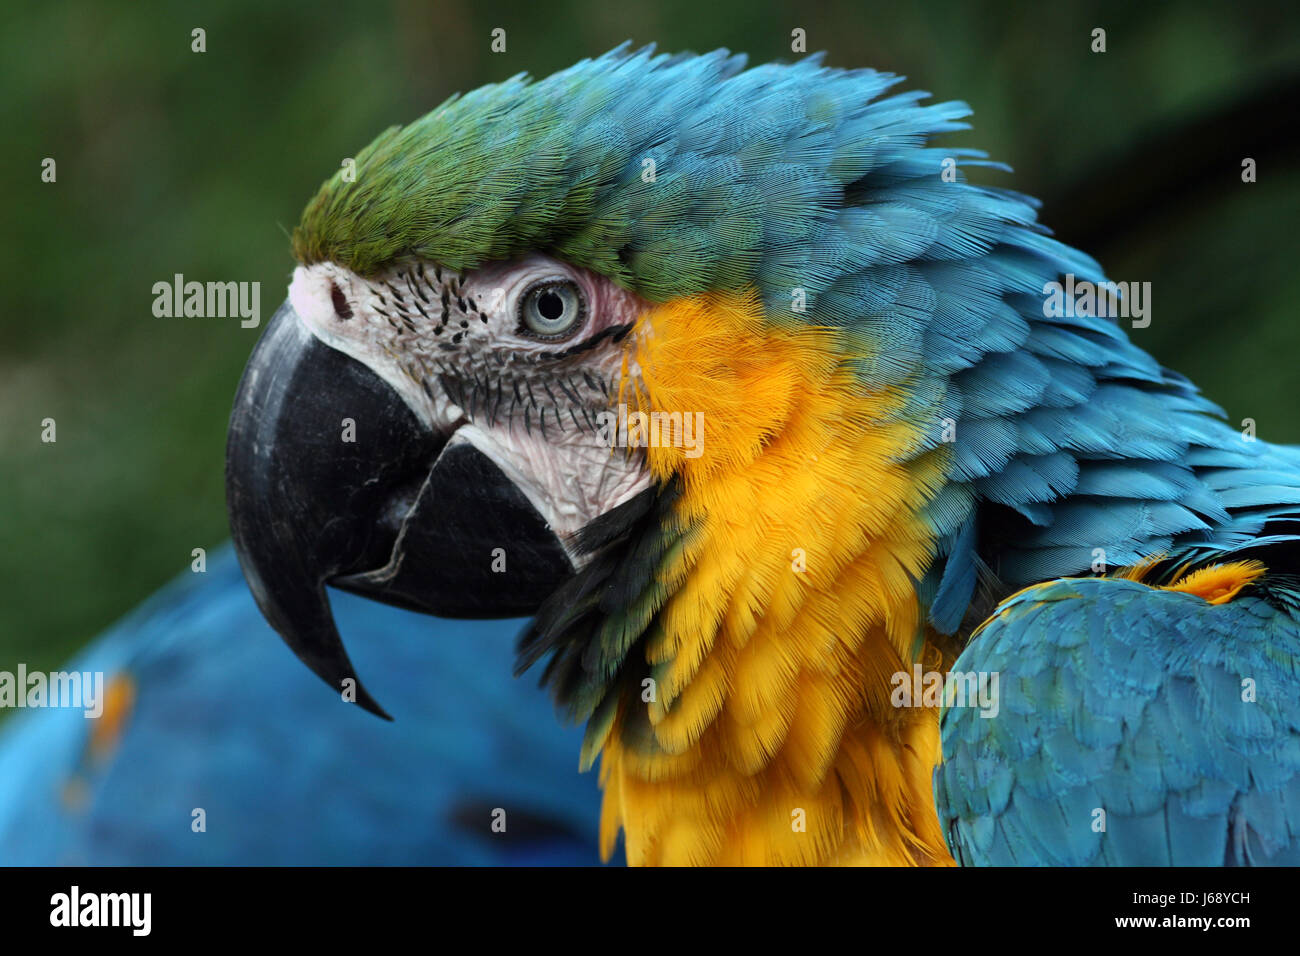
(387, 507)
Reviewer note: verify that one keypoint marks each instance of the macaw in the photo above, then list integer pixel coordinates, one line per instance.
(209, 750)
(732, 381)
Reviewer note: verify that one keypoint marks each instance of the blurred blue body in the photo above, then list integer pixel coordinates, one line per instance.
(227, 720)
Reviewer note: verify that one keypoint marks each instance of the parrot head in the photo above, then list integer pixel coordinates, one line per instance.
(392, 430)
(668, 354)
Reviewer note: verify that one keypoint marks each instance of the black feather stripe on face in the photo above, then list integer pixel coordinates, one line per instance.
(582, 625)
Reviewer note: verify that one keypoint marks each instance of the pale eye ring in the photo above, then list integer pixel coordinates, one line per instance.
(552, 309)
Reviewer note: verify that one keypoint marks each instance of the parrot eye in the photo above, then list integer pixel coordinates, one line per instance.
(552, 309)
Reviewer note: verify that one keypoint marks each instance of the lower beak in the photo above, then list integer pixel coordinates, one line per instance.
(331, 478)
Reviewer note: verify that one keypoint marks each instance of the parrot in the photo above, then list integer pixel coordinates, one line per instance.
(852, 525)
(208, 749)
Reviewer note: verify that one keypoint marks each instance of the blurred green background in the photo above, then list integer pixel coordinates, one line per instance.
(173, 161)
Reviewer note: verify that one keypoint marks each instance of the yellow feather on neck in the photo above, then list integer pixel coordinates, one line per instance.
(771, 738)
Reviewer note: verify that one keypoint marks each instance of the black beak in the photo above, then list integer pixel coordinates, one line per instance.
(383, 506)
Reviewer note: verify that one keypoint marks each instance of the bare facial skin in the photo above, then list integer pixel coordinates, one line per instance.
(460, 350)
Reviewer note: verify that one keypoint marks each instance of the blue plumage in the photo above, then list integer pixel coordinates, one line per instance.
(227, 720)
(1135, 727)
